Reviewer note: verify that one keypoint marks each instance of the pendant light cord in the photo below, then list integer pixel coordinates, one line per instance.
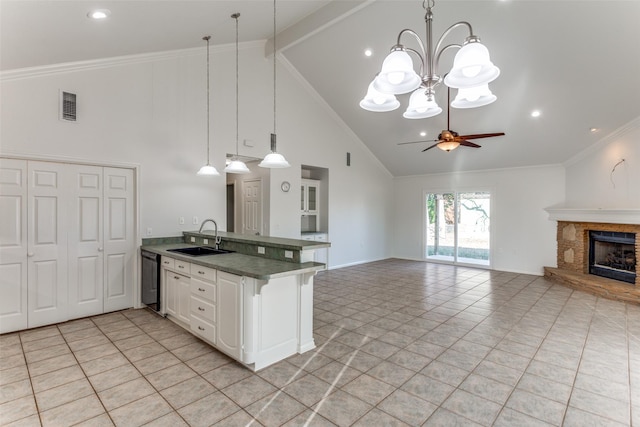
(274, 66)
(207, 38)
(236, 16)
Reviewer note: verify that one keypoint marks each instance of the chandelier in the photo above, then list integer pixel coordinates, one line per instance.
(471, 73)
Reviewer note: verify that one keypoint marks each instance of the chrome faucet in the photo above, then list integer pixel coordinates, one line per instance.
(217, 238)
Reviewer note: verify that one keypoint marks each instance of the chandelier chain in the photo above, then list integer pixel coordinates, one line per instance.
(236, 16)
(207, 38)
(274, 66)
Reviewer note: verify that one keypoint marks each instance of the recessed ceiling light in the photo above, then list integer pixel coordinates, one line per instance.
(368, 52)
(593, 130)
(99, 14)
(535, 113)
(423, 133)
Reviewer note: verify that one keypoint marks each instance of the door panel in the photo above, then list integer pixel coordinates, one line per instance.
(86, 260)
(252, 207)
(119, 243)
(49, 192)
(13, 245)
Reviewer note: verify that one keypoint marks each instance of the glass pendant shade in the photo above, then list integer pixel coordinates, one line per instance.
(237, 166)
(473, 97)
(397, 75)
(421, 106)
(274, 160)
(208, 170)
(378, 101)
(448, 145)
(471, 67)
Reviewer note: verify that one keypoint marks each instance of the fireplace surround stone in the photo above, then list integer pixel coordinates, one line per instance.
(573, 260)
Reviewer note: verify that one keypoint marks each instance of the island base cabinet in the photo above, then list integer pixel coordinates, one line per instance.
(272, 327)
(229, 339)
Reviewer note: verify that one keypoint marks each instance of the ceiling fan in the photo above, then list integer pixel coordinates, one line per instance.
(449, 140)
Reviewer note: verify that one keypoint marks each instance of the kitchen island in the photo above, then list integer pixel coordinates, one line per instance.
(254, 304)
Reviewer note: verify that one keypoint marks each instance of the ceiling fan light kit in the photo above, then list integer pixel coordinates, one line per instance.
(471, 72)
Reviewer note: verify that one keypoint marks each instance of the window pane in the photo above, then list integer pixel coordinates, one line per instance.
(440, 226)
(473, 227)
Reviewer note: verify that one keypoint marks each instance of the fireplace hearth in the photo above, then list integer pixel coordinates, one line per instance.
(612, 255)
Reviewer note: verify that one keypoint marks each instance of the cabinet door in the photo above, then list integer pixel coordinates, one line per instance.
(49, 191)
(13, 245)
(171, 292)
(229, 304)
(184, 298)
(119, 240)
(312, 198)
(86, 261)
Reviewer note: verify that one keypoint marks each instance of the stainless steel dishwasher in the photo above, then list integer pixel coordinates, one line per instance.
(151, 295)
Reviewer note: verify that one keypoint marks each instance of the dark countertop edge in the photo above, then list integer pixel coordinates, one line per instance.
(275, 242)
(275, 268)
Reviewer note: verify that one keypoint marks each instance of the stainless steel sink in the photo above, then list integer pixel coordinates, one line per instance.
(199, 251)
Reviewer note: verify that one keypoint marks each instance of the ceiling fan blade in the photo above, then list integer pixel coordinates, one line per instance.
(481, 135)
(417, 142)
(469, 144)
(429, 148)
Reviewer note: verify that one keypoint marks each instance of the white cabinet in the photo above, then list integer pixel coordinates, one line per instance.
(229, 311)
(177, 288)
(322, 254)
(203, 302)
(309, 196)
(67, 246)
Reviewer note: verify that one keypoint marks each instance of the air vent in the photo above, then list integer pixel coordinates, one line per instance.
(68, 106)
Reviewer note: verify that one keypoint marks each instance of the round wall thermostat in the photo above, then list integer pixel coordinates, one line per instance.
(285, 186)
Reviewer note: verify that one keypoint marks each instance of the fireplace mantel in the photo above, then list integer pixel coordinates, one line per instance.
(607, 216)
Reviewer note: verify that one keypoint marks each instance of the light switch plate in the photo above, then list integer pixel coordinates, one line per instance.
(261, 250)
(288, 254)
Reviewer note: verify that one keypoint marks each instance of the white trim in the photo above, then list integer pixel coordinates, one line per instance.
(95, 64)
(613, 216)
(515, 168)
(330, 112)
(613, 136)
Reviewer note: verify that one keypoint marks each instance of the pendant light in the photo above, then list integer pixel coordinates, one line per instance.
(207, 169)
(236, 165)
(274, 160)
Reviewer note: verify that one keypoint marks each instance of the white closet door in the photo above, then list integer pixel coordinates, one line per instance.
(13, 245)
(119, 239)
(86, 260)
(49, 193)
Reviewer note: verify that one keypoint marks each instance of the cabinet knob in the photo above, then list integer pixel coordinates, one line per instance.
(30, 254)
(201, 328)
(200, 272)
(200, 308)
(100, 249)
(181, 266)
(201, 290)
(176, 277)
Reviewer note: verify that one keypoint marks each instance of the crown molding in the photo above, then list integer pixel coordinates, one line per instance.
(117, 61)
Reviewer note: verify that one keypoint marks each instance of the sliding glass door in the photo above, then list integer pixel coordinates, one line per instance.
(458, 227)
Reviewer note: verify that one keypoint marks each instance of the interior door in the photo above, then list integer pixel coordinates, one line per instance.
(119, 239)
(49, 192)
(252, 203)
(13, 245)
(86, 260)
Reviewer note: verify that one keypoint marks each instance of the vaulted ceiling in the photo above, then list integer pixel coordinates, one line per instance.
(577, 62)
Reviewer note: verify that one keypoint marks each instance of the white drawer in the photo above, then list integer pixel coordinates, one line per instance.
(204, 273)
(168, 262)
(204, 290)
(204, 329)
(183, 267)
(321, 238)
(204, 309)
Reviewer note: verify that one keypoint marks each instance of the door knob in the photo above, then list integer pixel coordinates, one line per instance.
(30, 254)
(100, 249)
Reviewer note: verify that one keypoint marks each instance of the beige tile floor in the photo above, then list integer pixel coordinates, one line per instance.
(398, 343)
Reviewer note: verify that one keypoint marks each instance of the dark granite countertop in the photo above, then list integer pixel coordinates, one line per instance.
(243, 265)
(276, 242)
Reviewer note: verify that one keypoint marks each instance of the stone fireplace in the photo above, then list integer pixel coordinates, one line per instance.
(598, 257)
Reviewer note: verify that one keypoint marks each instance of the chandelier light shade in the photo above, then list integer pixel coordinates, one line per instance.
(472, 69)
(473, 97)
(378, 101)
(236, 165)
(208, 170)
(274, 160)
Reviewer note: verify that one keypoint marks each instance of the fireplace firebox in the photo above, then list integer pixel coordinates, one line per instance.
(612, 255)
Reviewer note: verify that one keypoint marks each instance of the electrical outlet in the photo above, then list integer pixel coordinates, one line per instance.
(193, 240)
(206, 241)
(261, 250)
(181, 220)
(149, 231)
(195, 220)
(288, 254)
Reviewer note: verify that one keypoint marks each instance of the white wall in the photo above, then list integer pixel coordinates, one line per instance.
(591, 181)
(151, 111)
(524, 240)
